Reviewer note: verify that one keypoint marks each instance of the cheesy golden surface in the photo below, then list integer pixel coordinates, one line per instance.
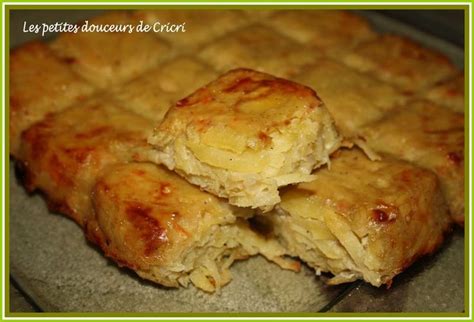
(154, 92)
(244, 135)
(400, 61)
(109, 58)
(324, 29)
(430, 136)
(40, 83)
(353, 98)
(362, 219)
(258, 47)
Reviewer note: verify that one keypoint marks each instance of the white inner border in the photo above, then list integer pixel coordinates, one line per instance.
(341, 317)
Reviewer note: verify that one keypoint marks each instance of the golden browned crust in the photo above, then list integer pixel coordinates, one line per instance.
(40, 83)
(149, 217)
(169, 231)
(244, 135)
(363, 219)
(430, 136)
(63, 153)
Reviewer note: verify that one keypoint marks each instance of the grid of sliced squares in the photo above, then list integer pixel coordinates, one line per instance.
(201, 26)
(35, 93)
(259, 47)
(327, 30)
(109, 58)
(349, 92)
(400, 61)
(152, 93)
(83, 107)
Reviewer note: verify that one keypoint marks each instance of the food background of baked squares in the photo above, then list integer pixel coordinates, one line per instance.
(378, 78)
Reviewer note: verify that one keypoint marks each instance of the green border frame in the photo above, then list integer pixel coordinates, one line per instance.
(278, 4)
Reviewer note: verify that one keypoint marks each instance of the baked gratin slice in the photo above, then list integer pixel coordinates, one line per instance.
(244, 135)
(62, 155)
(430, 136)
(362, 219)
(169, 231)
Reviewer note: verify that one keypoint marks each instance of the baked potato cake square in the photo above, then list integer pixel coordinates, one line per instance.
(401, 62)
(258, 47)
(430, 136)
(449, 93)
(40, 83)
(169, 231)
(353, 98)
(110, 58)
(62, 154)
(244, 135)
(362, 219)
(200, 26)
(324, 29)
(152, 93)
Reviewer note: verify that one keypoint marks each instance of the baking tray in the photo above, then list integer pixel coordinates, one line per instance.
(53, 265)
